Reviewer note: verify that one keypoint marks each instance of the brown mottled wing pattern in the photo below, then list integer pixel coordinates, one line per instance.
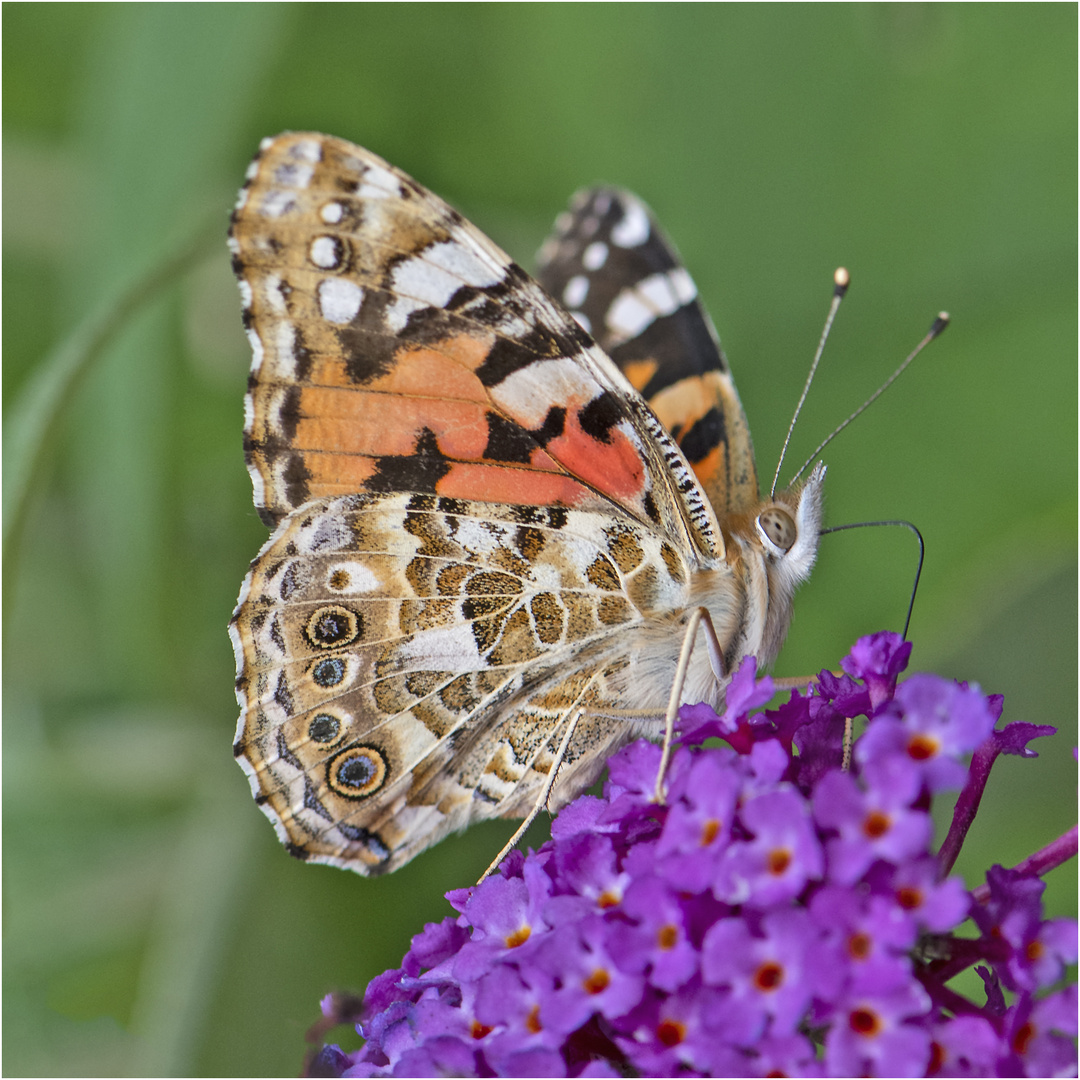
(611, 265)
(407, 664)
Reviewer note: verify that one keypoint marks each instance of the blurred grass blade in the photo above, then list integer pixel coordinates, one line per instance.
(33, 418)
(191, 931)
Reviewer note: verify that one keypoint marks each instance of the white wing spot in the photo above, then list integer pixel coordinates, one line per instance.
(629, 315)
(397, 314)
(479, 537)
(256, 349)
(633, 229)
(326, 532)
(563, 222)
(657, 291)
(352, 577)
(285, 343)
(294, 175)
(449, 648)
(332, 213)
(595, 255)
(654, 297)
(589, 225)
(603, 203)
(534, 389)
(325, 252)
(277, 203)
(577, 288)
(274, 296)
(432, 277)
(307, 150)
(683, 285)
(339, 300)
(258, 485)
(378, 183)
(458, 259)
(234, 633)
(245, 295)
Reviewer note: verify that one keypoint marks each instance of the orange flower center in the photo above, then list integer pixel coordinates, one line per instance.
(597, 982)
(670, 1032)
(779, 861)
(921, 747)
(769, 976)
(864, 1022)
(518, 937)
(607, 899)
(532, 1021)
(909, 897)
(479, 1030)
(859, 946)
(876, 824)
(937, 1058)
(667, 936)
(1023, 1037)
(709, 831)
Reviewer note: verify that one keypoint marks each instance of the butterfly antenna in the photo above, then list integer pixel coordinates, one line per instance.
(918, 568)
(842, 279)
(935, 330)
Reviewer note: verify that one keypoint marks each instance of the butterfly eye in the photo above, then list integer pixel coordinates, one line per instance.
(777, 526)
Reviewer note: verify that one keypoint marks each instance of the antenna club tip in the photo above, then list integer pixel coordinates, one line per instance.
(940, 323)
(842, 279)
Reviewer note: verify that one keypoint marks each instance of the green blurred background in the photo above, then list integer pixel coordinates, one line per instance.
(153, 925)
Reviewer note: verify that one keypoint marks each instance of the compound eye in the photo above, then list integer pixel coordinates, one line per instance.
(777, 525)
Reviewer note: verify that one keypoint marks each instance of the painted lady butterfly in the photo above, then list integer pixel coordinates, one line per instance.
(482, 531)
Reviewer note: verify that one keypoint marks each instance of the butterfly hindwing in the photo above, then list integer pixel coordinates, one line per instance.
(621, 278)
(407, 663)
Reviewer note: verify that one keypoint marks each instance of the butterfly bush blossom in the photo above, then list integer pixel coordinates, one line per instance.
(776, 915)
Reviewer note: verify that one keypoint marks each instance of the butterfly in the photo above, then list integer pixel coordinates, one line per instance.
(495, 501)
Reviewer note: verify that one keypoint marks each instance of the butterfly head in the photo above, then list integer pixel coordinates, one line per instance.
(787, 530)
(772, 549)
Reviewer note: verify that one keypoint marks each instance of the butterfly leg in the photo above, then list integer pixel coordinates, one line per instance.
(542, 799)
(698, 617)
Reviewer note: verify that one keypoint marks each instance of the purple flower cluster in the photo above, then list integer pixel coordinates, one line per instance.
(776, 915)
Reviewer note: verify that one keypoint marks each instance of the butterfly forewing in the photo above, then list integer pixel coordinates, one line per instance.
(397, 348)
(622, 280)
